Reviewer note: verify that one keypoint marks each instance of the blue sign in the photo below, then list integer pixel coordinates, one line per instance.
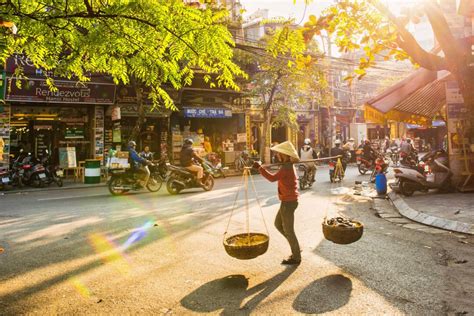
(207, 113)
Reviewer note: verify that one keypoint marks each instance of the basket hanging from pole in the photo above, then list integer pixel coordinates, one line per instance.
(342, 231)
(248, 245)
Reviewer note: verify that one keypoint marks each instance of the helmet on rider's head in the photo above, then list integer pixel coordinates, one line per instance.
(307, 141)
(408, 140)
(132, 143)
(337, 142)
(367, 141)
(188, 141)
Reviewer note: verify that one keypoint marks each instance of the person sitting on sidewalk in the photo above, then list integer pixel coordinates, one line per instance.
(288, 195)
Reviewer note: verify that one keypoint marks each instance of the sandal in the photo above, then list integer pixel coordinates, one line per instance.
(291, 261)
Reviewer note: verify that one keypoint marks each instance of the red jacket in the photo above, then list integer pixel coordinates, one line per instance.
(287, 183)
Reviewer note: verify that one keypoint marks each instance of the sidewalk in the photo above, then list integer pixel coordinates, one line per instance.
(453, 212)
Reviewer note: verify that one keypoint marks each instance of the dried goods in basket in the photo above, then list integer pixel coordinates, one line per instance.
(341, 230)
(247, 245)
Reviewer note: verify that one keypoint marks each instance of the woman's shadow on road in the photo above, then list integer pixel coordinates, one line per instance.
(229, 292)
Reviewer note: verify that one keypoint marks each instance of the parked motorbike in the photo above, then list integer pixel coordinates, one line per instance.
(410, 159)
(124, 180)
(381, 165)
(5, 181)
(305, 177)
(53, 173)
(214, 165)
(181, 178)
(33, 172)
(410, 180)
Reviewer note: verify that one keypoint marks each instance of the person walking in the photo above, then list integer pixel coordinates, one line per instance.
(288, 195)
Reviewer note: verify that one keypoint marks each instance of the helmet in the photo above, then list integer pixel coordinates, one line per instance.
(367, 141)
(132, 143)
(188, 141)
(408, 140)
(337, 142)
(351, 139)
(307, 141)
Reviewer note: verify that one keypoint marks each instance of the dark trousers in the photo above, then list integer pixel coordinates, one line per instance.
(284, 222)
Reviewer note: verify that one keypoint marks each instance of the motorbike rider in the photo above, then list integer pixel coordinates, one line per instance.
(137, 162)
(407, 151)
(146, 153)
(338, 151)
(307, 153)
(369, 152)
(186, 157)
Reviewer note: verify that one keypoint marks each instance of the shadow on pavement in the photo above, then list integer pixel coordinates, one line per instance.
(324, 295)
(48, 247)
(228, 293)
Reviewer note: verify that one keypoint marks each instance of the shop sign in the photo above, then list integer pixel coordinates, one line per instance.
(37, 90)
(457, 110)
(207, 113)
(241, 137)
(74, 133)
(453, 93)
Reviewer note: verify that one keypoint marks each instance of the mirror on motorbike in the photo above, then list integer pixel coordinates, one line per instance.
(46, 151)
(21, 150)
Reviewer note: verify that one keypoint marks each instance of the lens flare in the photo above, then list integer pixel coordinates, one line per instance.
(108, 252)
(137, 235)
(80, 287)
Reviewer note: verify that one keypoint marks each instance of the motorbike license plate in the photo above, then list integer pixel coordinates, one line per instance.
(359, 162)
(5, 180)
(42, 175)
(59, 173)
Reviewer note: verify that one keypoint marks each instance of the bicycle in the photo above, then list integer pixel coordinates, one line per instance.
(336, 171)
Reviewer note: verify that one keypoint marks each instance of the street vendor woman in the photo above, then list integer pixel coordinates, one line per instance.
(288, 195)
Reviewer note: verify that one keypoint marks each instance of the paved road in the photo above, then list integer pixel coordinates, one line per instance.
(86, 252)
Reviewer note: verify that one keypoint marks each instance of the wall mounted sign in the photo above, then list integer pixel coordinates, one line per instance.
(207, 113)
(36, 90)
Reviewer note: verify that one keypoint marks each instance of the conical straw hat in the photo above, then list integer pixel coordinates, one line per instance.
(286, 148)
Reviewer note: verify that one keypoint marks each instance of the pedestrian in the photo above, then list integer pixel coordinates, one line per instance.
(288, 195)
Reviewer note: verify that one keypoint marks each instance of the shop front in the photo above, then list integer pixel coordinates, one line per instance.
(44, 121)
(223, 131)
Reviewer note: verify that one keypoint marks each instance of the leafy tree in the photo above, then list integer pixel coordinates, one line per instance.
(286, 78)
(146, 43)
(371, 26)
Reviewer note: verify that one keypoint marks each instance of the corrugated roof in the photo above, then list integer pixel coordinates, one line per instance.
(395, 94)
(426, 101)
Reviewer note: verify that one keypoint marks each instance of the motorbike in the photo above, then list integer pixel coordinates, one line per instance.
(214, 166)
(53, 173)
(381, 165)
(124, 180)
(305, 177)
(181, 178)
(410, 159)
(363, 165)
(394, 154)
(32, 172)
(5, 181)
(409, 180)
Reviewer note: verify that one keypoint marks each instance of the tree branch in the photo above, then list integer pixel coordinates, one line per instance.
(409, 44)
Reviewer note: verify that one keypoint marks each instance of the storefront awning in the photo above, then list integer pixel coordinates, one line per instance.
(419, 107)
(395, 94)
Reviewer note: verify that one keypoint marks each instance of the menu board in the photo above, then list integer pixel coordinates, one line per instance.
(99, 133)
(67, 157)
(4, 136)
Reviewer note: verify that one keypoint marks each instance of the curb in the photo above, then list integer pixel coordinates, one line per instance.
(32, 190)
(430, 220)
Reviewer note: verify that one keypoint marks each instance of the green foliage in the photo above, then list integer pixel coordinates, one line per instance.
(154, 41)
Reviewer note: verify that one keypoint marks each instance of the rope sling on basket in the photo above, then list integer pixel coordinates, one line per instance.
(247, 245)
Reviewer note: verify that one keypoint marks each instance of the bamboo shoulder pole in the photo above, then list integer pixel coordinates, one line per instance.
(301, 161)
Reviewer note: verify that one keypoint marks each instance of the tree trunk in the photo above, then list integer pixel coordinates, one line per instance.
(263, 143)
(135, 134)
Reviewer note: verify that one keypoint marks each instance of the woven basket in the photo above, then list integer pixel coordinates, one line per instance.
(343, 235)
(246, 251)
